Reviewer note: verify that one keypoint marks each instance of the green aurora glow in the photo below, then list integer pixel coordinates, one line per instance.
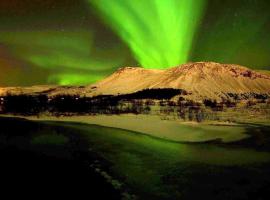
(70, 55)
(237, 34)
(82, 41)
(159, 32)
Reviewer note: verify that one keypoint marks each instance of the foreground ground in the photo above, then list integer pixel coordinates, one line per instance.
(153, 125)
(139, 166)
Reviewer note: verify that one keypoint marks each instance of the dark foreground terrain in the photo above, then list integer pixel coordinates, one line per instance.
(64, 159)
(50, 167)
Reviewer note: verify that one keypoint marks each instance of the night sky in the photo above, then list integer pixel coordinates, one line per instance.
(82, 41)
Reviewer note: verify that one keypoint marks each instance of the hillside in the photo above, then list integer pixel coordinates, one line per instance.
(201, 80)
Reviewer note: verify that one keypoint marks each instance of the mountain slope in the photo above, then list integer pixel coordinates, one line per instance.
(127, 80)
(26, 90)
(50, 90)
(202, 79)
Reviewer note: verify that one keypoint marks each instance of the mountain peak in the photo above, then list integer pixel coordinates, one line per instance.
(125, 69)
(212, 68)
(200, 79)
(193, 66)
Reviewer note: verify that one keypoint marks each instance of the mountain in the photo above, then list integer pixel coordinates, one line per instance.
(26, 90)
(200, 79)
(50, 90)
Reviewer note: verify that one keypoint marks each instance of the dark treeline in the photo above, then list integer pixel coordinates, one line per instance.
(166, 102)
(165, 93)
(108, 104)
(249, 95)
(24, 104)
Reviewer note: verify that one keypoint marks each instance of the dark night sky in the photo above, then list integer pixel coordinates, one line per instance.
(69, 42)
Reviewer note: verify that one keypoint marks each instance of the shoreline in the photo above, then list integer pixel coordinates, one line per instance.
(152, 125)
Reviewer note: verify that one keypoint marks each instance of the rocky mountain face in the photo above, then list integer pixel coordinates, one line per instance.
(202, 80)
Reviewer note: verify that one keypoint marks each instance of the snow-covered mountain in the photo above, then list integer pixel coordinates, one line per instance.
(200, 79)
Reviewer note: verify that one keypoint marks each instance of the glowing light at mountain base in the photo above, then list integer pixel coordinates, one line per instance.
(159, 32)
(68, 57)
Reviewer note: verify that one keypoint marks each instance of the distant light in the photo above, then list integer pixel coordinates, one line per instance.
(76, 98)
(62, 98)
(2, 99)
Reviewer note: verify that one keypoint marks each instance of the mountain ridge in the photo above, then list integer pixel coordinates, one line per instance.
(200, 79)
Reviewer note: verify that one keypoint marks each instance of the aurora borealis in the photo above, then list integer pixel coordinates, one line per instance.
(82, 41)
(67, 54)
(159, 33)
